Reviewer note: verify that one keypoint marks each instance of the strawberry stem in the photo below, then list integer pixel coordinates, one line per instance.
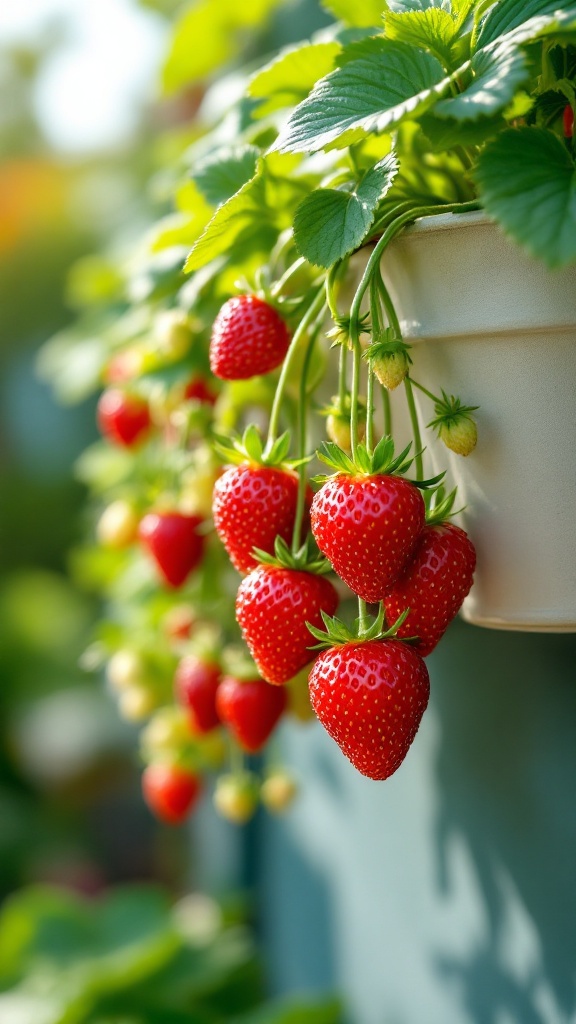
(303, 404)
(292, 269)
(418, 464)
(363, 614)
(425, 391)
(315, 310)
(342, 367)
(387, 410)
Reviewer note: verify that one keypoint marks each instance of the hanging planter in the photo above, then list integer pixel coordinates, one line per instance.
(485, 318)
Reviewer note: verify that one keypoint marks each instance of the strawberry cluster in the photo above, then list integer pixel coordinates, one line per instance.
(192, 504)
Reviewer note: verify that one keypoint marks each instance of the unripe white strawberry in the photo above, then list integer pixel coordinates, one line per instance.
(166, 733)
(278, 792)
(391, 368)
(118, 525)
(459, 435)
(136, 703)
(173, 334)
(125, 669)
(338, 431)
(236, 797)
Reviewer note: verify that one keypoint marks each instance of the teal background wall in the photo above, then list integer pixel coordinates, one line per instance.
(447, 894)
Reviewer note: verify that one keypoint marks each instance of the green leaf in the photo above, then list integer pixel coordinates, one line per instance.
(409, 6)
(329, 223)
(391, 82)
(445, 133)
(496, 75)
(209, 34)
(288, 79)
(360, 13)
(528, 184)
(223, 173)
(509, 14)
(433, 29)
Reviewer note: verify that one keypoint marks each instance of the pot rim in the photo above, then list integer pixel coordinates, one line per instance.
(449, 222)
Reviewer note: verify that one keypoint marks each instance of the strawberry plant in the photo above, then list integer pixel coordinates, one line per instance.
(255, 342)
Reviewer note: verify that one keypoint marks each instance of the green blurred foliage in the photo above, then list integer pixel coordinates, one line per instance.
(129, 958)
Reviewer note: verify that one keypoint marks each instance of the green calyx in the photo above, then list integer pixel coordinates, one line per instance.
(250, 448)
(337, 633)
(306, 559)
(389, 358)
(450, 412)
(381, 462)
(340, 334)
(441, 506)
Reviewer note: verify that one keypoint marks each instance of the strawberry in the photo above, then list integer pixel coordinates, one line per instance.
(370, 697)
(278, 792)
(123, 417)
(367, 521)
(196, 684)
(273, 605)
(118, 525)
(389, 359)
(455, 426)
(568, 121)
(173, 542)
(236, 797)
(198, 389)
(249, 338)
(250, 709)
(170, 791)
(253, 505)
(433, 586)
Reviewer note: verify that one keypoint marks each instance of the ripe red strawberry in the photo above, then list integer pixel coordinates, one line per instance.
(123, 417)
(199, 389)
(170, 792)
(250, 709)
(568, 121)
(434, 584)
(272, 607)
(370, 698)
(249, 338)
(174, 544)
(196, 684)
(368, 527)
(252, 505)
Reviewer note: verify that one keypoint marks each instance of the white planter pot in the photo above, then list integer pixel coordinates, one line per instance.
(493, 326)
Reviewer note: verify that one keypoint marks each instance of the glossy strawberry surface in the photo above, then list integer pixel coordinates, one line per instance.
(370, 698)
(252, 505)
(368, 527)
(434, 585)
(172, 540)
(123, 417)
(249, 338)
(170, 792)
(272, 608)
(250, 709)
(195, 685)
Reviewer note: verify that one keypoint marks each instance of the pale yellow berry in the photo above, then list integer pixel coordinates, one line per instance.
(236, 797)
(172, 334)
(125, 669)
(167, 731)
(278, 792)
(391, 369)
(338, 430)
(136, 703)
(460, 436)
(118, 525)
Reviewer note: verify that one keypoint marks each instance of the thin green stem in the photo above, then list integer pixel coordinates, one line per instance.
(315, 309)
(237, 760)
(387, 409)
(356, 360)
(331, 289)
(363, 614)
(302, 439)
(425, 391)
(342, 385)
(292, 269)
(418, 463)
